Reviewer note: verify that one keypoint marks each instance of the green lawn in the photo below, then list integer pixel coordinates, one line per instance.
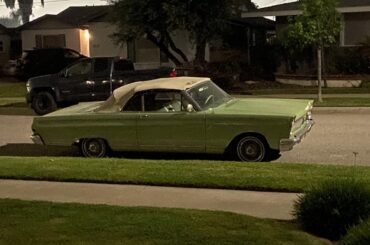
(185, 173)
(12, 89)
(46, 223)
(14, 106)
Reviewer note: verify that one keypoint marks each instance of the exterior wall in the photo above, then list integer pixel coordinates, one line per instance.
(101, 44)
(72, 38)
(5, 54)
(356, 28)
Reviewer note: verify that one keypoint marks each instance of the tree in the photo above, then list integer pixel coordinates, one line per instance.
(156, 20)
(318, 26)
(25, 7)
(14, 20)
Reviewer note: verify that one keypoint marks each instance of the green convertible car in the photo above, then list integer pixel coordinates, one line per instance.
(183, 114)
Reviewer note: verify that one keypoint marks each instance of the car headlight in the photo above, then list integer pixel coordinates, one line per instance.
(28, 87)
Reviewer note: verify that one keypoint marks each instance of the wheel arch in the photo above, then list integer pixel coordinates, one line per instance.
(43, 89)
(78, 141)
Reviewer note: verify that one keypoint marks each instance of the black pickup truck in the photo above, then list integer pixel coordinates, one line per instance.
(88, 79)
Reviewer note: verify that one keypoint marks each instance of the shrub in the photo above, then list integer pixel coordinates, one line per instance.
(332, 207)
(358, 235)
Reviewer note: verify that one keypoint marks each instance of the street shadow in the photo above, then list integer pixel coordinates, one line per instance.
(32, 150)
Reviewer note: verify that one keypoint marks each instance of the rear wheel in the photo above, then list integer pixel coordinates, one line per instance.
(251, 149)
(94, 148)
(43, 103)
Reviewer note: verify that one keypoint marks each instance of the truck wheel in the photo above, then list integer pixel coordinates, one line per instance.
(93, 148)
(251, 149)
(43, 103)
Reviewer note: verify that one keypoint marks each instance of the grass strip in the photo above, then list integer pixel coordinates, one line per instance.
(12, 89)
(182, 173)
(47, 223)
(15, 106)
(344, 102)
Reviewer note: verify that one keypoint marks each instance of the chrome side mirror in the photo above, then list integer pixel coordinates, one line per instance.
(189, 108)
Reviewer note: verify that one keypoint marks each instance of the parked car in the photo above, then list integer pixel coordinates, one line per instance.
(88, 79)
(37, 62)
(183, 114)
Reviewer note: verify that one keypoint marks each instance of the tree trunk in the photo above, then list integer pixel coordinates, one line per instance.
(324, 77)
(25, 7)
(163, 47)
(174, 47)
(319, 72)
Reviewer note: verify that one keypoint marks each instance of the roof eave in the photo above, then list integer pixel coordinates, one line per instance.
(271, 13)
(342, 10)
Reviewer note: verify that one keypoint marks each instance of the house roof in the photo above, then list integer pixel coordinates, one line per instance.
(293, 8)
(43, 18)
(75, 17)
(81, 15)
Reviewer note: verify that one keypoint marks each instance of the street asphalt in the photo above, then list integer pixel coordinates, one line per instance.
(340, 136)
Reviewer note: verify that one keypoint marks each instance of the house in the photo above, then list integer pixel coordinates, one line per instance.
(355, 30)
(88, 30)
(5, 44)
(355, 21)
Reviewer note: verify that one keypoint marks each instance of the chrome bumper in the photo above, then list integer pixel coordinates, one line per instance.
(287, 144)
(37, 139)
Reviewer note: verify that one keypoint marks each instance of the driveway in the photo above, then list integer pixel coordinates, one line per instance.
(338, 133)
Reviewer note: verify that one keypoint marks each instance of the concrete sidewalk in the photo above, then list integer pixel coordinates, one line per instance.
(257, 204)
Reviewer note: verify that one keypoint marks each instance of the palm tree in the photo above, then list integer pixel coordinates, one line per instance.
(25, 7)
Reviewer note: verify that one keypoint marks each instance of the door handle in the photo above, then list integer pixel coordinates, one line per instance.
(144, 116)
(89, 82)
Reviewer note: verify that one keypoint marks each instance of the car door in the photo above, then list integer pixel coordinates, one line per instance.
(165, 125)
(76, 83)
(101, 78)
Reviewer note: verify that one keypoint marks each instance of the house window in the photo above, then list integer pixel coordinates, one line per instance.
(50, 41)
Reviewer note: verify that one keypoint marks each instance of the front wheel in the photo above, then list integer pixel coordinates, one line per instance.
(43, 103)
(251, 149)
(93, 148)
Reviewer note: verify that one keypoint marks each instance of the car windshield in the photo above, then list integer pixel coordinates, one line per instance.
(208, 95)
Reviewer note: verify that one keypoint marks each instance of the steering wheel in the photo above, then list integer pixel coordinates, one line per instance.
(209, 98)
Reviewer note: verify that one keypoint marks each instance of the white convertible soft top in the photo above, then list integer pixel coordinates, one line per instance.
(121, 95)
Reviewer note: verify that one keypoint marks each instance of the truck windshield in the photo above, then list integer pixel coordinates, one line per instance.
(208, 95)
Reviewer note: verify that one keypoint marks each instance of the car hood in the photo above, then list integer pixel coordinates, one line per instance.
(41, 80)
(80, 108)
(267, 107)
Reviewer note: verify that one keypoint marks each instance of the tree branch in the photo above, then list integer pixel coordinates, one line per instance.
(175, 48)
(161, 45)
